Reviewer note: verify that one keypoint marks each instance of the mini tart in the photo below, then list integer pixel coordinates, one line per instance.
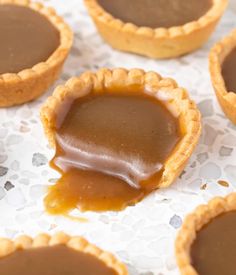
(28, 84)
(159, 42)
(8, 247)
(120, 79)
(193, 223)
(219, 52)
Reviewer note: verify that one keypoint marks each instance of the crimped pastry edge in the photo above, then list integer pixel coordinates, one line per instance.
(8, 247)
(202, 215)
(217, 55)
(151, 82)
(27, 78)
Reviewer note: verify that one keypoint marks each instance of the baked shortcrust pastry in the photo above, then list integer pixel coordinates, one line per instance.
(205, 244)
(156, 28)
(118, 135)
(34, 45)
(222, 62)
(54, 255)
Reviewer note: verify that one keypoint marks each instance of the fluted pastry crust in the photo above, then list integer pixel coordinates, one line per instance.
(227, 99)
(159, 42)
(17, 88)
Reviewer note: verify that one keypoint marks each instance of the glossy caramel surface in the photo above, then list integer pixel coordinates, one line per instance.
(110, 151)
(156, 13)
(55, 260)
(27, 38)
(214, 250)
(228, 71)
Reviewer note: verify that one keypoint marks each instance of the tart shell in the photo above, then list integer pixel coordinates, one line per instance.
(227, 99)
(8, 247)
(193, 223)
(31, 83)
(159, 42)
(166, 89)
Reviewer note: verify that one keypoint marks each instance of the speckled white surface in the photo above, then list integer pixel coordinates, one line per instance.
(142, 236)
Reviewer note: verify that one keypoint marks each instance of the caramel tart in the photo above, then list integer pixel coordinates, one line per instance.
(35, 42)
(222, 63)
(58, 254)
(206, 242)
(118, 135)
(156, 28)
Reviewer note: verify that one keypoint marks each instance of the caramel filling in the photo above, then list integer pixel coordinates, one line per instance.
(27, 38)
(156, 13)
(54, 260)
(214, 250)
(110, 151)
(228, 71)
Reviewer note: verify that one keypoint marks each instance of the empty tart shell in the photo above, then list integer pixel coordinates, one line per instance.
(8, 247)
(202, 215)
(219, 52)
(159, 42)
(123, 80)
(28, 84)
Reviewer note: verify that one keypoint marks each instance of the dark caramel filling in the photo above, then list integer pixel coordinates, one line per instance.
(228, 71)
(214, 250)
(27, 38)
(55, 260)
(110, 151)
(156, 13)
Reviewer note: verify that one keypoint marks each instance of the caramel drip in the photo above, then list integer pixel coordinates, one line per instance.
(110, 151)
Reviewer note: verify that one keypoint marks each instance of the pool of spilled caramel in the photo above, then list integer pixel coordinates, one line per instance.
(110, 151)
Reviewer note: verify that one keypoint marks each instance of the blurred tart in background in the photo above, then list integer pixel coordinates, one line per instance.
(57, 254)
(222, 64)
(35, 42)
(206, 242)
(156, 28)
